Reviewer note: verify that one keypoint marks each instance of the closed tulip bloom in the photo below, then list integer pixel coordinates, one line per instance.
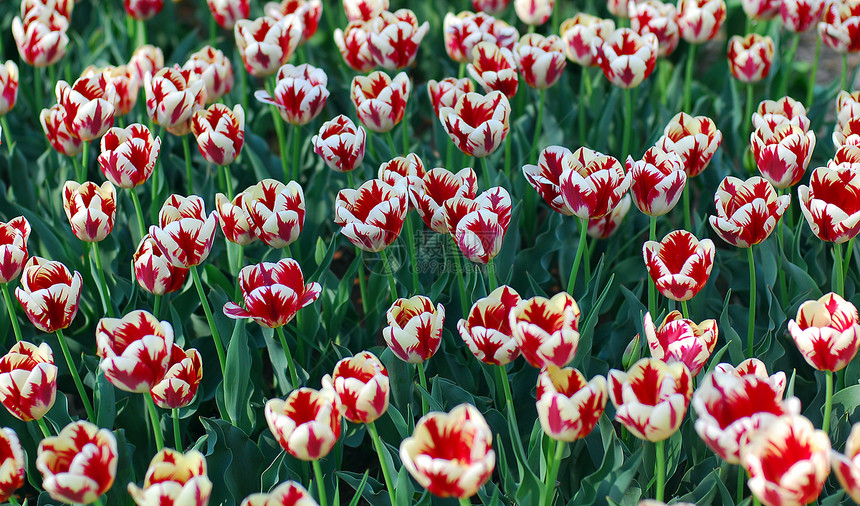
(300, 94)
(174, 478)
(438, 186)
(771, 113)
(479, 226)
(603, 227)
(364, 10)
(486, 330)
(780, 477)
(135, 350)
(747, 211)
(477, 124)
(847, 133)
(220, 133)
(142, 9)
(12, 462)
(755, 367)
(8, 87)
(546, 330)
(494, 69)
(846, 466)
(466, 29)
(185, 233)
(568, 405)
(496, 200)
(394, 38)
(172, 98)
(380, 101)
(14, 235)
(731, 406)
(28, 381)
(353, 42)
(215, 69)
(679, 264)
(49, 294)
(761, 10)
(831, 202)
(654, 16)
(267, 43)
(288, 493)
(491, 7)
(800, 15)
(308, 11)
(307, 422)
(651, 398)
(234, 220)
(153, 270)
(227, 12)
(361, 382)
(90, 104)
(782, 154)
(840, 28)
(594, 183)
(90, 208)
(447, 92)
(750, 57)
(273, 293)
(341, 144)
(694, 139)
(372, 216)
(626, 57)
(176, 389)
(554, 162)
(128, 155)
(679, 339)
(450, 454)
(656, 181)
(540, 59)
(534, 12)
(79, 464)
(146, 59)
(847, 107)
(41, 37)
(124, 79)
(826, 332)
(414, 330)
(700, 20)
(579, 34)
(62, 7)
(276, 211)
(410, 167)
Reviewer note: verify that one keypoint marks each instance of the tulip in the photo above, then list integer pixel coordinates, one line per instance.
(90, 104)
(8, 87)
(62, 7)
(540, 59)
(848, 134)
(380, 102)
(214, 69)
(49, 294)
(28, 381)
(435, 188)
(12, 462)
(750, 57)
(174, 478)
(486, 330)
(780, 477)
(364, 10)
(656, 181)
(14, 235)
(831, 202)
(755, 367)
(681, 340)
(128, 155)
(450, 454)
(394, 38)
(679, 264)
(79, 464)
(827, 332)
(90, 208)
(782, 154)
(772, 113)
(651, 398)
(227, 12)
(176, 389)
(693, 139)
(308, 11)
(288, 493)
(626, 57)
(414, 330)
(135, 350)
(124, 80)
(534, 12)
(300, 93)
(546, 330)
(41, 37)
(153, 270)
(579, 34)
(477, 124)
(307, 423)
(447, 92)
(220, 133)
(591, 183)
(847, 466)
(568, 405)
(847, 108)
(747, 211)
(466, 29)
(142, 10)
(731, 406)
(185, 233)
(361, 383)
(495, 200)
(172, 98)
(840, 28)
(340, 144)
(410, 167)
(234, 220)
(353, 42)
(601, 228)
(654, 16)
(493, 68)
(478, 226)
(146, 59)
(267, 43)
(491, 7)
(799, 15)
(760, 10)
(554, 162)
(372, 216)
(275, 211)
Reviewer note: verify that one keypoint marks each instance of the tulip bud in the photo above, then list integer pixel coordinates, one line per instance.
(79, 464)
(414, 330)
(372, 216)
(657, 181)
(632, 353)
(8, 87)
(750, 57)
(568, 406)
(134, 349)
(174, 479)
(546, 330)
(275, 211)
(379, 101)
(487, 329)
(176, 389)
(90, 105)
(679, 264)
(14, 235)
(747, 211)
(340, 144)
(626, 57)
(28, 381)
(12, 462)
(267, 43)
(227, 12)
(63, 140)
(300, 94)
(90, 208)
(826, 332)
(214, 69)
(172, 98)
(437, 187)
(220, 133)
(361, 383)
(477, 124)
(153, 271)
(49, 294)
(446, 92)
(394, 38)
(307, 422)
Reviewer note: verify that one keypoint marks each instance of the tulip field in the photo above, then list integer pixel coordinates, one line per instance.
(435, 252)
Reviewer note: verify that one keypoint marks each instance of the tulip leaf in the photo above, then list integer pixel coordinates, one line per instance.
(104, 399)
(404, 487)
(237, 385)
(848, 398)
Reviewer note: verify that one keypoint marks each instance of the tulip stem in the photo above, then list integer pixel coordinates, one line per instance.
(688, 79)
(413, 258)
(279, 131)
(464, 501)
(228, 181)
(552, 473)
(10, 308)
(391, 147)
(216, 336)
(584, 95)
(381, 451)
(156, 305)
(749, 111)
(810, 88)
(154, 418)
(661, 468)
(628, 123)
(75, 377)
(464, 301)
(404, 127)
(652, 288)
(838, 272)
(97, 502)
(828, 401)
(507, 156)
(751, 324)
(297, 142)
(139, 211)
(422, 380)
(509, 403)
(847, 263)
(77, 165)
(43, 427)
(14, 501)
(85, 154)
(103, 288)
(291, 366)
(740, 489)
(320, 485)
(844, 81)
(685, 309)
(186, 151)
(688, 223)
(7, 133)
(786, 72)
(491, 273)
(140, 32)
(177, 437)
(538, 124)
(389, 271)
(583, 238)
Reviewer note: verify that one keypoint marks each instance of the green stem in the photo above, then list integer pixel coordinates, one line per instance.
(320, 485)
(141, 33)
(583, 99)
(422, 380)
(390, 140)
(828, 401)
(507, 156)
(139, 211)
(838, 272)
(177, 436)
(10, 308)
(661, 468)
(404, 128)
(413, 257)
(228, 181)
(85, 155)
(297, 142)
(43, 427)
(464, 301)
(688, 223)
(156, 423)
(392, 283)
(740, 489)
(491, 273)
(509, 404)
(786, 72)
(552, 473)
(381, 451)
(80, 174)
(362, 284)
(652, 288)
(464, 501)
(103, 288)
(156, 305)
(688, 79)
(538, 125)
(685, 310)
(291, 366)
(216, 336)
(628, 123)
(186, 152)
(810, 89)
(7, 133)
(846, 265)
(282, 147)
(461, 71)
(75, 377)
(749, 111)
(485, 165)
(97, 502)
(213, 30)
(583, 238)
(751, 324)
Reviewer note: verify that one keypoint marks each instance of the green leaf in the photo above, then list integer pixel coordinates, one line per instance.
(237, 385)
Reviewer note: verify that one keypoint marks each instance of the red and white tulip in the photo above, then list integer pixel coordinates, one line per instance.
(90, 208)
(220, 133)
(394, 38)
(447, 92)
(380, 101)
(90, 105)
(372, 216)
(14, 235)
(626, 57)
(128, 155)
(437, 187)
(12, 463)
(227, 12)
(486, 330)
(591, 183)
(153, 270)
(142, 9)
(8, 87)
(300, 93)
(840, 28)
(831, 202)
(288, 493)
(267, 43)
(146, 59)
(362, 384)
(307, 423)
(185, 233)
(135, 350)
(750, 57)
(579, 34)
(41, 37)
(534, 12)
(341, 144)
(546, 330)
(414, 330)
(364, 10)
(477, 124)
(49, 294)
(782, 154)
(276, 211)
(174, 479)
(679, 264)
(540, 59)
(172, 98)
(657, 181)
(308, 11)
(568, 405)
(176, 389)
(214, 69)
(28, 380)
(694, 139)
(771, 113)
(478, 226)
(747, 211)
(494, 68)
(654, 16)
(800, 15)
(353, 42)
(603, 227)
(679, 339)
(234, 219)
(826, 332)
(846, 466)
